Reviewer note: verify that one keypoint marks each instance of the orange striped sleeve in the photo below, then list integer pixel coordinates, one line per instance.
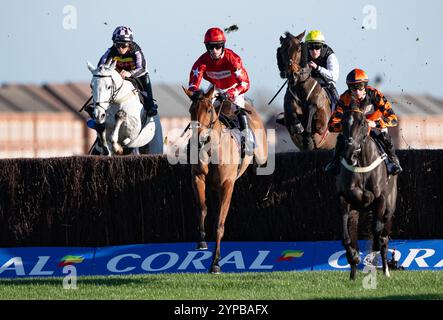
(388, 116)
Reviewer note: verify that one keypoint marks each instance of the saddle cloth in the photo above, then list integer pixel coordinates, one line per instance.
(229, 118)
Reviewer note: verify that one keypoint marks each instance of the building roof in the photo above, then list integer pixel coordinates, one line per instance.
(408, 104)
(172, 101)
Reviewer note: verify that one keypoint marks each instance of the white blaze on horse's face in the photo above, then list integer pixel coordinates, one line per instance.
(102, 94)
(103, 86)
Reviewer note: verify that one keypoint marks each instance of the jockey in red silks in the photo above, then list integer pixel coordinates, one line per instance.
(224, 69)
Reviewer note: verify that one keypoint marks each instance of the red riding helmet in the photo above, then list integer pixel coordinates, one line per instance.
(215, 35)
(357, 76)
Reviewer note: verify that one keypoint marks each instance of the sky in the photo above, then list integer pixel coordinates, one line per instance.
(51, 40)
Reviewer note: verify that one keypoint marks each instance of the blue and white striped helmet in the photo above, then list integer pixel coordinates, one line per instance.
(122, 34)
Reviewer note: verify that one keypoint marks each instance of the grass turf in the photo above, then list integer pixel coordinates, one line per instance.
(231, 286)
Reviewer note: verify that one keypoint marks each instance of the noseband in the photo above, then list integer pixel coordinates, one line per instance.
(296, 77)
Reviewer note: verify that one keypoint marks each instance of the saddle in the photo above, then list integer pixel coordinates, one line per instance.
(227, 115)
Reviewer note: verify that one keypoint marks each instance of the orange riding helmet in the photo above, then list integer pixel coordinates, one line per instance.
(357, 76)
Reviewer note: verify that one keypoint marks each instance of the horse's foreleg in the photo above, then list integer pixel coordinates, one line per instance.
(378, 223)
(344, 209)
(384, 240)
(119, 118)
(384, 255)
(104, 141)
(353, 253)
(322, 121)
(381, 230)
(349, 223)
(199, 186)
(307, 136)
(225, 196)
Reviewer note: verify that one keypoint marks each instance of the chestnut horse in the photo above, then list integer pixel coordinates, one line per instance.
(304, 96)
(364, 185)
(219, 163)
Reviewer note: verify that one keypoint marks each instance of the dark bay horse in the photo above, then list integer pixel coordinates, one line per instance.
(219, 162)
(304, 96)
(364, 185)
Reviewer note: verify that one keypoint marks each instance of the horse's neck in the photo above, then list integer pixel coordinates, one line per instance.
(307, 85)
(306, 70)
(217, 128)
(126, 88)
(125, 92)
(369, 152)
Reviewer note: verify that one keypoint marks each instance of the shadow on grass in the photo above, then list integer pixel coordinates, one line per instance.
(111, 281)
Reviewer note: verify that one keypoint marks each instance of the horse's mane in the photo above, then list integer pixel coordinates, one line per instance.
(104, 69)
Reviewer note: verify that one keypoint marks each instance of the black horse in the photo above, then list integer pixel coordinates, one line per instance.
(364, 185)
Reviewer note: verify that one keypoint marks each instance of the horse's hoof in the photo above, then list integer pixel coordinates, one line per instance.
(106, 151)
(118, 150)
(215, 270)
(353, 274)
(309, 144)
(202, 246)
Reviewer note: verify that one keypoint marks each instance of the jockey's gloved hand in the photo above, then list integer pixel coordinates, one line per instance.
(220, 97)
(283, 74)
(231, 95)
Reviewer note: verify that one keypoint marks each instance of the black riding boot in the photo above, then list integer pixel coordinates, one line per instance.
(333, 95)
(148, 100)
(393, 167)
(247, 139)
(333, 167)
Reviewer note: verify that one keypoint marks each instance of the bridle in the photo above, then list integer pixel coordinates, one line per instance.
(114, 91)
(375, 163)
(213, 118)
(350, 140)
(296, 77)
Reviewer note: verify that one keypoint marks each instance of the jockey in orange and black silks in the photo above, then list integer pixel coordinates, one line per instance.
(379, 115)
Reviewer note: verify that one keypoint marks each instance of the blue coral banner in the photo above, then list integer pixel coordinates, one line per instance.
(235, 257)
